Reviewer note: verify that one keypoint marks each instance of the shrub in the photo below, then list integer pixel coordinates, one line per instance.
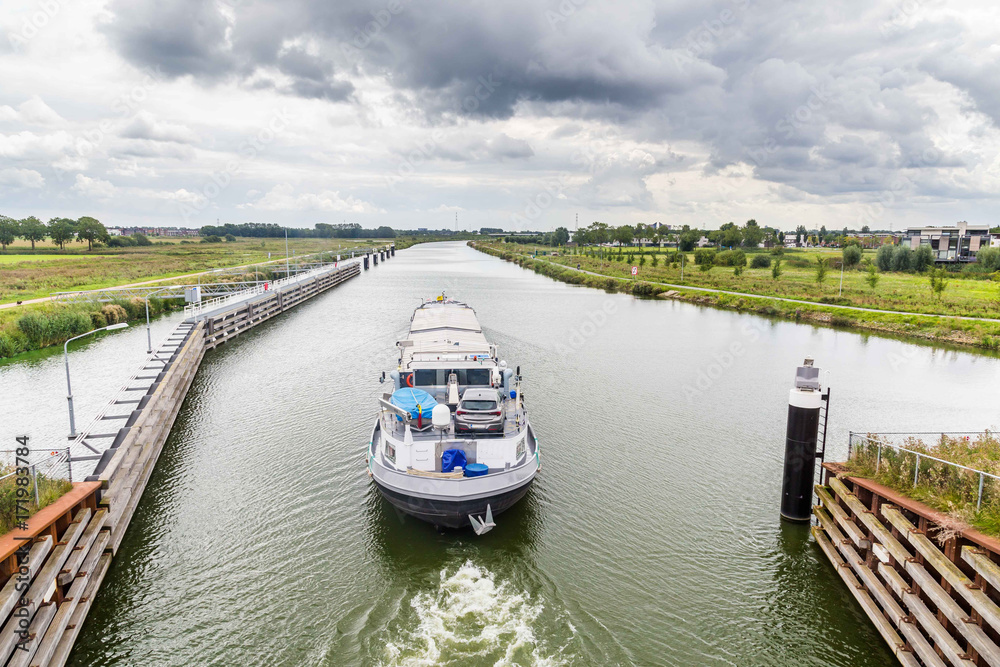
(989, 259)
(760, 262)
(230, 238)
(923, 258)
(778, 250)
(776, 269)
(731, 258)
(12, 343)
(141, 240)
(851, 256)
(121, 242)
(113, 313)
(902, 258)
(97, 320)
(883, 258)
(211, 238)
(704, 256)
(738, 271)
(35, 328)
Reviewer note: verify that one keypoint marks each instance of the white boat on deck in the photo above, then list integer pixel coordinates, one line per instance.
(442, 449)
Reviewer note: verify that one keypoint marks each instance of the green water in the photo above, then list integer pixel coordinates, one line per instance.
(650, 537)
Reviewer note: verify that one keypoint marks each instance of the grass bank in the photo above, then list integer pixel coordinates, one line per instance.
(943, 487)
(35, 326)
(615, 277)
(49, 490)
(24, 275)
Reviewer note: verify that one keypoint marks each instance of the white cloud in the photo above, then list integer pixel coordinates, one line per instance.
(93, 188)
(21, 179)
(33, 111)
(283, 198)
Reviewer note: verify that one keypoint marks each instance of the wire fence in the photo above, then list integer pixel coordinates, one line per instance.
(906, 461)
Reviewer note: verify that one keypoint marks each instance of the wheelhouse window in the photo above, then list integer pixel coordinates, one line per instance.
(426, 378)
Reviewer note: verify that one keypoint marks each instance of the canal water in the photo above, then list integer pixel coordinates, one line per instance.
(651, 536)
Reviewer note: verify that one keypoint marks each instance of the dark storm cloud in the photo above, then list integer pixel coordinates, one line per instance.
(815, 96)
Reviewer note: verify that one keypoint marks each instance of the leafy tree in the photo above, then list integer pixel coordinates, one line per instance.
(902, 258)
(62, 230)
(560, 236)
(32, 229)
(989, 259)
(923, 258)
(90, 230)
(656, 261)
(8, 231)
(624, 235)
(821, 268)
(753, 235)
(883, 258)
(776, 269)
(872, 277)
(939, 282)
(851, 255)
(687, 240)
(737, 271)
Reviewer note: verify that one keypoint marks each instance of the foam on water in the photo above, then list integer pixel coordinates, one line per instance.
(470, 617)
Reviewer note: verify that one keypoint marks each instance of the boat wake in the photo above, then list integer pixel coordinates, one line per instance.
(471, 618)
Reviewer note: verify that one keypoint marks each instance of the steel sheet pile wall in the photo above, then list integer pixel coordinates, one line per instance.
(932, 593)
(72, 542)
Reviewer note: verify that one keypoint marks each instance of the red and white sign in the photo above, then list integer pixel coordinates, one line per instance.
(635, 270)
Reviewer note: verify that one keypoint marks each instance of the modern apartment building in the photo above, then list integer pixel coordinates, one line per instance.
(954, 243)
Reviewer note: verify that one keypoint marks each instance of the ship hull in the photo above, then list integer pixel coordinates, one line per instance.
(452, 513)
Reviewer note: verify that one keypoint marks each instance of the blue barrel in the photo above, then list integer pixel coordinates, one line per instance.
(476, 469)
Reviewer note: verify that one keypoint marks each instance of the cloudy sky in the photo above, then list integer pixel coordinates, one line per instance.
(516, 114)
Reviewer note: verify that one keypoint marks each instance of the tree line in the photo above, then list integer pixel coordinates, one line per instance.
(60, 230)
(322, 230)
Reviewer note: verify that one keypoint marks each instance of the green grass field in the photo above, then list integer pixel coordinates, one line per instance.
(27, 259)
(911, 292)
(30, 276)
(897, 293)
(34, 326)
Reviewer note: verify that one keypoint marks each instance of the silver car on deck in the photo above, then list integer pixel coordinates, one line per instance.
(480, 411)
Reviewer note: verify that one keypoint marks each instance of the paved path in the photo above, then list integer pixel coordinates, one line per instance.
(779, 298)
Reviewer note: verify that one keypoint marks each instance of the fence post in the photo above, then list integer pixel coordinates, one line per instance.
(878, 460)
(34, 478)
(916, 470)
(980, 501)
(69, 466)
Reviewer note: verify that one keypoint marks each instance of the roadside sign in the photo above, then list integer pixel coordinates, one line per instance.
(635, 270)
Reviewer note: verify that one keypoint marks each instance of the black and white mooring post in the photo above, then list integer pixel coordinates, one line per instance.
(805, 401)
(366, 262)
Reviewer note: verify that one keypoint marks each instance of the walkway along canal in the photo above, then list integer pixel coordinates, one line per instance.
(259, 539)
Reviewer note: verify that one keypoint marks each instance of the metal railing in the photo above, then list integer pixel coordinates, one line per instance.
(195, 309)
(54, 459)
(877, 440)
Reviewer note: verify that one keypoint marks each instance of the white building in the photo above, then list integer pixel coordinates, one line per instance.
(953, 243)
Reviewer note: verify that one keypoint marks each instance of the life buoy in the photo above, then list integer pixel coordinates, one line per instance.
(409, 379)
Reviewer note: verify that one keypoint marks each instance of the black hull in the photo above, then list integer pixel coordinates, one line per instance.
(452, 514)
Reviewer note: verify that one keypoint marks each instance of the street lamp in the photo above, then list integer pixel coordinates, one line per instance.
(149, 336)
(69, 389)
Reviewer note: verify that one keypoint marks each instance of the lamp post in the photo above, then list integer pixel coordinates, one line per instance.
(149, 336)
(841, 277)
(69, 389)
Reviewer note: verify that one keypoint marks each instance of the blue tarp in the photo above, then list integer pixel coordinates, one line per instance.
(410, 398)
(452, 458)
